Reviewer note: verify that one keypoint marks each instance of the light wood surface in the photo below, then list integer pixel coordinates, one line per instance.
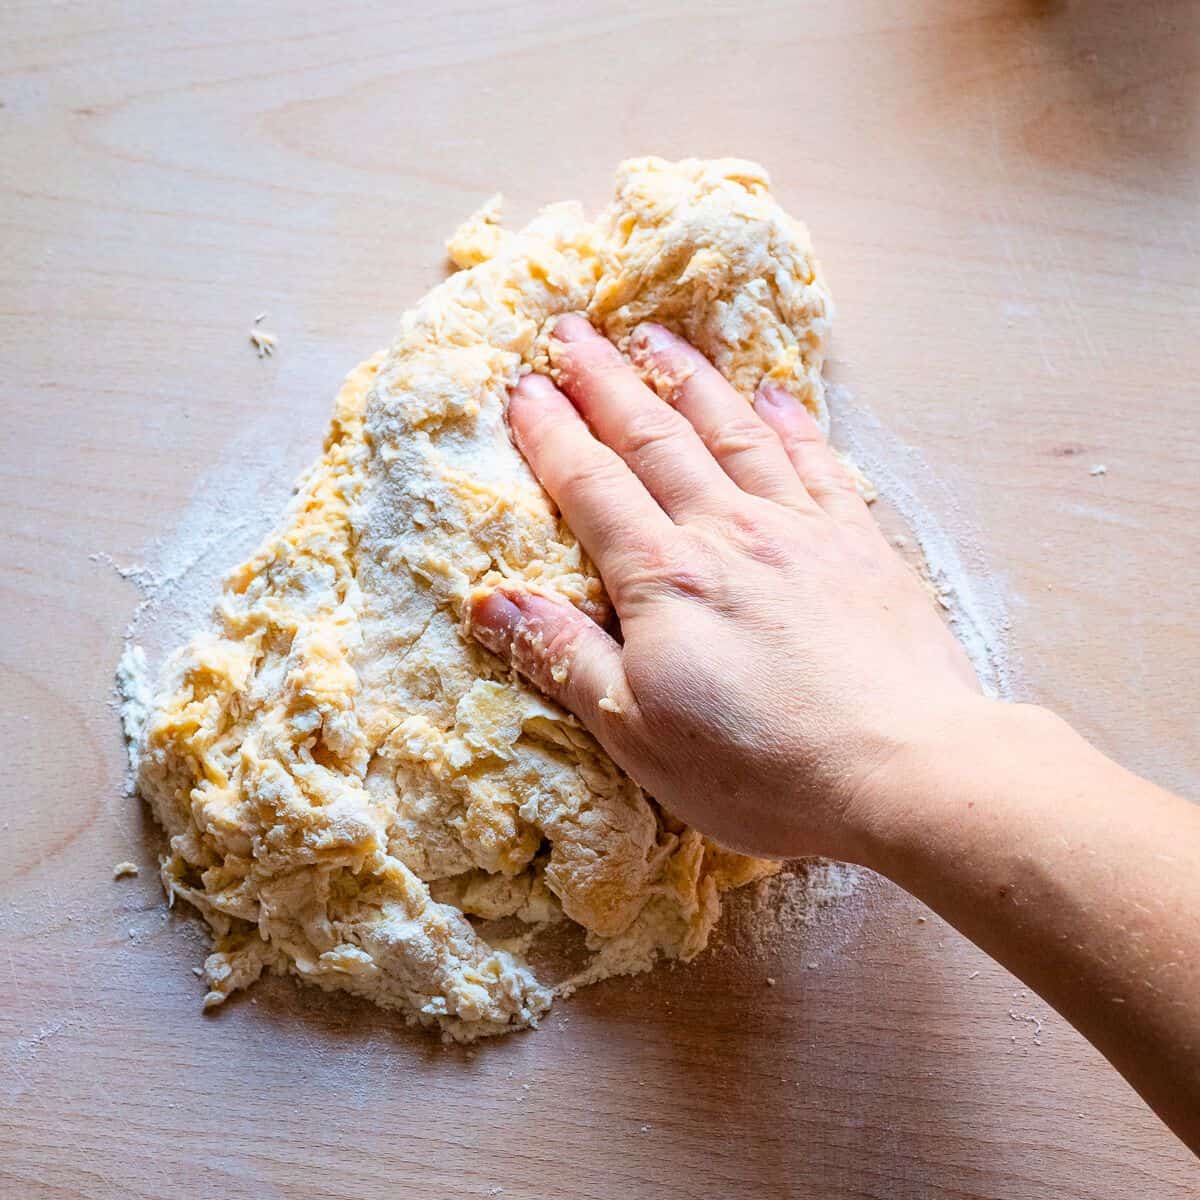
(1005, 198)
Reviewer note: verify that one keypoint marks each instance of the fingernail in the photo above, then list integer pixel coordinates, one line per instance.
(649, 338)
(494, 621)
(571, 327)
(776, 397)
(534, 387)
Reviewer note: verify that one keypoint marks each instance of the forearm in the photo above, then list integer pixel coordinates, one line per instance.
(1081, 878)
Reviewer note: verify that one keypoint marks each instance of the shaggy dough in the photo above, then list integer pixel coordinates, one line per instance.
(349, 782)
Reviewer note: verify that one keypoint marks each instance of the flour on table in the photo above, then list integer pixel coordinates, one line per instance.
(952, 554)
(351, 786)
(134, 688)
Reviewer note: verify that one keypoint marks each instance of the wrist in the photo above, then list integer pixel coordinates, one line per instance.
(902, 818)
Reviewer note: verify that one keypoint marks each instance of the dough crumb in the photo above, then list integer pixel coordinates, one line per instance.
(1028, 1019)
(264, 343)
(770, 981)
(1098, 469)
(124, 870)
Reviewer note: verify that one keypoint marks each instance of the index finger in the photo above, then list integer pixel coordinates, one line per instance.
(604, 503)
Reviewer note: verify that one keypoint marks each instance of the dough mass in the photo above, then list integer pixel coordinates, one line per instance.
(350, 784)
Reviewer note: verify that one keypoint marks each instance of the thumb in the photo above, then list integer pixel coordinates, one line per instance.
(562, 651)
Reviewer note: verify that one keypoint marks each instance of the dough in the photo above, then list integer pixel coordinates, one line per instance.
(350, 784)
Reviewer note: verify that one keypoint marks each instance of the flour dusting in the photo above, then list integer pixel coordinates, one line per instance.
(179, 574)
(966, 584)
(136, 692)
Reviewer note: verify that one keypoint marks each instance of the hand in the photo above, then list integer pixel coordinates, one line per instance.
(776, 654)
(785, 684)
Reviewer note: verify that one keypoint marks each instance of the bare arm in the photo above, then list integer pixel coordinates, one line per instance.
(1081, 878)
(784, 684)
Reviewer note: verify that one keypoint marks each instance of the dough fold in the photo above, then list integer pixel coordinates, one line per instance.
(350, 784)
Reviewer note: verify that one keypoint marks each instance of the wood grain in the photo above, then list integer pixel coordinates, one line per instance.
(1005, 197)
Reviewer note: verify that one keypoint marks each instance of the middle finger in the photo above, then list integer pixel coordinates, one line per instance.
(661, 448)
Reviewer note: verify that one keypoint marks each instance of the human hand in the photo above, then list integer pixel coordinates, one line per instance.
(775, 652)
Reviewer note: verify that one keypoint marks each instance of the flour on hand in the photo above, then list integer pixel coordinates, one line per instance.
(349, 782)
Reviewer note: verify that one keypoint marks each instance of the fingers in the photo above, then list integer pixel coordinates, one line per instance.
(601, 499)
(747, 450)
(823, 477)
(560, 650)
(661, 448)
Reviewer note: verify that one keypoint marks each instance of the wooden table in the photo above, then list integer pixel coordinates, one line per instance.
(1005, 197)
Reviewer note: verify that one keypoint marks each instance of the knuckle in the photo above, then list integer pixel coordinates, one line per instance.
(801, 444)
(821, 472)
(688, 569)
(560, 646)
(830, 481)
(589, 476)
(544, 652)
(756, 535)
(739, 436)
(649, 431)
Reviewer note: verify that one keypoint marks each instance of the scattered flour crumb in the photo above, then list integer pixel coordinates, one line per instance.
(123, 870)
(263, 342)
(647, 1128)
(1029, 1019)
(1098, 469)
(770, 981)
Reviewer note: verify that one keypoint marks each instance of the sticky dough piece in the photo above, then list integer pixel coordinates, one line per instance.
(337, 743)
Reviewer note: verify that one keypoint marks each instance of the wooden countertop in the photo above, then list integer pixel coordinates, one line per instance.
(1005, 197)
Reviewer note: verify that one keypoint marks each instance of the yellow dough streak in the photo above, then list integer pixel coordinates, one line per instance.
(349, 782)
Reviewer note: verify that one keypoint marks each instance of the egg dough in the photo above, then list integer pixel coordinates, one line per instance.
(353, 789)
